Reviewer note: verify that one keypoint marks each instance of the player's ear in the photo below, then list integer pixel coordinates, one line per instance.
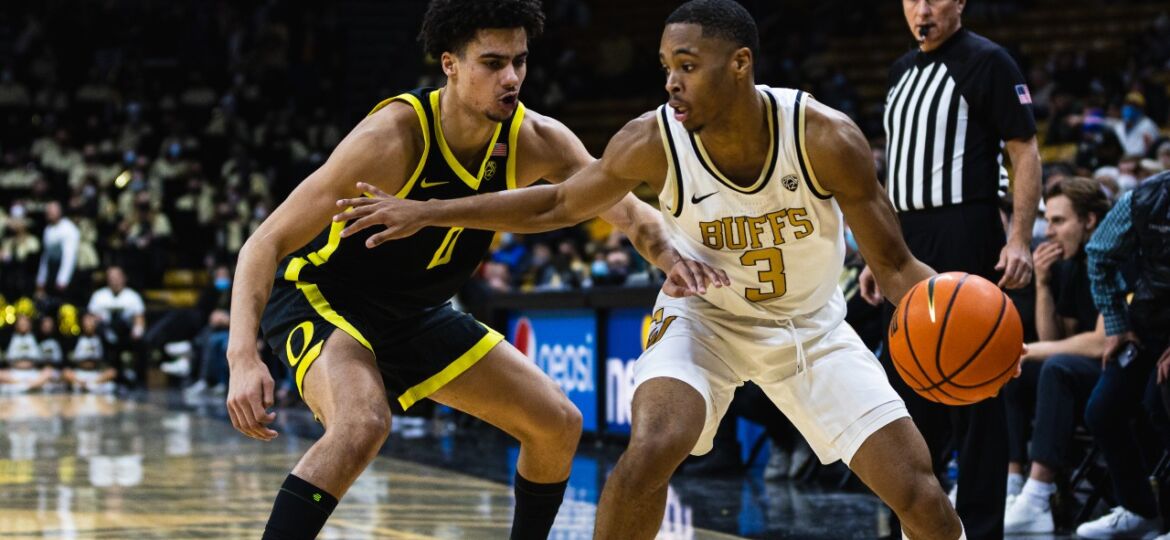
(741, 61)
(447, 61)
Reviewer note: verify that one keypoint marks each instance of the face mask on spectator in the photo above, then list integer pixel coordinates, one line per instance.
(1130, 114)
(599, 268)
(222, 283)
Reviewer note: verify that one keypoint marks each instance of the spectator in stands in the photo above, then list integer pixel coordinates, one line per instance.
(52, 356)
(59, 255)
(147, 234)
(19, 254)
(24, 358)
(1134, 231)
(122, 317)
(1099, 145)
(1063, 366)
(89, 371)
(616, 268)
(213, 366)
(1135, 130)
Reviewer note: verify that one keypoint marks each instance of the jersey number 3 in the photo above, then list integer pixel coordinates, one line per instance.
(772, 273)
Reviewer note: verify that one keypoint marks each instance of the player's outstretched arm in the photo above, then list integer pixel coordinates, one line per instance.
(378, 149)
(589, 192)
(843, 165)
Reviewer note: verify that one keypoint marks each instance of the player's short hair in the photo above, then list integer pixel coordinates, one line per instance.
(449, 25)
(724, 19)
(1085, 194)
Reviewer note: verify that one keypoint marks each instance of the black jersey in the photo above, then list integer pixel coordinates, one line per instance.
(426, 269)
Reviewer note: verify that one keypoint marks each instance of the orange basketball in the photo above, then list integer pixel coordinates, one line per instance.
(956, 338)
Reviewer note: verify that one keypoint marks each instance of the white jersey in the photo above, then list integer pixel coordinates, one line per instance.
(780, 240)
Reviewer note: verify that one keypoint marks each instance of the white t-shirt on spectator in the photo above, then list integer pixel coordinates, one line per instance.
(88, 348)
(104, 302)
(1137, 142)
(61, 239)
(23, 347)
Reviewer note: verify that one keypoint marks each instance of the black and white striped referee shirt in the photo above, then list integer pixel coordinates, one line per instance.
(947, 114)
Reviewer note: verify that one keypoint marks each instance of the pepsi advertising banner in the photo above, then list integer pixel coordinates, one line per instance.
(626, 333)
(563, 344)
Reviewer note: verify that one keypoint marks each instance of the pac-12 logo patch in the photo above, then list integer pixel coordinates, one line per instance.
(790, 182)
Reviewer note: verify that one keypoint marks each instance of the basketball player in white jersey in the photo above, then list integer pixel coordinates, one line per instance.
(752, 180)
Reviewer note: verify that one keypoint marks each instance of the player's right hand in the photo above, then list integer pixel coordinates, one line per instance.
(870, 291)
(250, 394)
(401, 217)
(689, 278)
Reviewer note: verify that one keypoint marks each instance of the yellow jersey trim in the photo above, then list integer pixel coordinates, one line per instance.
(764, 173)
(803, 150)
(426, 133)
(454, 369)
(322, 307)
(466, 177)
(513, 137)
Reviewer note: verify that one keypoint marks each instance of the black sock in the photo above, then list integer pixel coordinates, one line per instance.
(536, 508)
(300, 511)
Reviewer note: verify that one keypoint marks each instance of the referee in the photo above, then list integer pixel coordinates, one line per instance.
(954, 104)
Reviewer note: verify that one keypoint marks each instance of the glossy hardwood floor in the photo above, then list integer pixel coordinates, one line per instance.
(86, 466)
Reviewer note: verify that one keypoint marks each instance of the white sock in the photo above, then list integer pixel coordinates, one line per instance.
(962, 534)
(1015, 483)
(1038, 491)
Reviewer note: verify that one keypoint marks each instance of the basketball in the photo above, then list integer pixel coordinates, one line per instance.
(956, 338)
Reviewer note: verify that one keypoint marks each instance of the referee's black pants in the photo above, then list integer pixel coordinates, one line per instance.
(965, 238)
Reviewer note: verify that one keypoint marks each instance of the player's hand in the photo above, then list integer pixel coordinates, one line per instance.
(250, 389)
(1164, 366)
(1015, 261)
(1115, 343)
(870, 291)
(689, 278)
(401, 217)
(1046, 255)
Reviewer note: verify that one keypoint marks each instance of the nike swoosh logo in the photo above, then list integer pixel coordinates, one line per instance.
(695, 199)
(427, 183)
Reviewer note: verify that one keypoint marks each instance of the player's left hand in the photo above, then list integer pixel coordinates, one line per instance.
(401, 217)
(1015, 261)
(689, 278)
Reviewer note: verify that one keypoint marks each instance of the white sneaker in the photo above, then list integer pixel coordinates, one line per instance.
(1119, 523)
(778, 463)
(1025, 515)
(179, 367)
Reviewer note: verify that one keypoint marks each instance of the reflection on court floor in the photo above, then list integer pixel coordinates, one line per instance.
(86, 466)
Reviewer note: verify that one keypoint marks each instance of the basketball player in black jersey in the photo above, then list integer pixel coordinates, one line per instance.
(354, 324)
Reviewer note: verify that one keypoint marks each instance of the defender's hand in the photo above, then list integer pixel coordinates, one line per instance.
(689, 278)
(249, 396)
(870, 291)
(401, 217)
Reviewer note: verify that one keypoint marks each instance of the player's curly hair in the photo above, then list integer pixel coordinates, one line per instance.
(724, 19)
(449, 25)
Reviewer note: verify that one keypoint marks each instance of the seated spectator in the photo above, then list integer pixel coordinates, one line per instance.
(89, 371)
(1135, 230)
(616, 269)
(1063, 366)
(1135, 130)
(122, 318)
(185, 324)
(213, 366)
(52, 357)
(24, 358)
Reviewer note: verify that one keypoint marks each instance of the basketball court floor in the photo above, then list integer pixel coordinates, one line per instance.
(156, 467)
